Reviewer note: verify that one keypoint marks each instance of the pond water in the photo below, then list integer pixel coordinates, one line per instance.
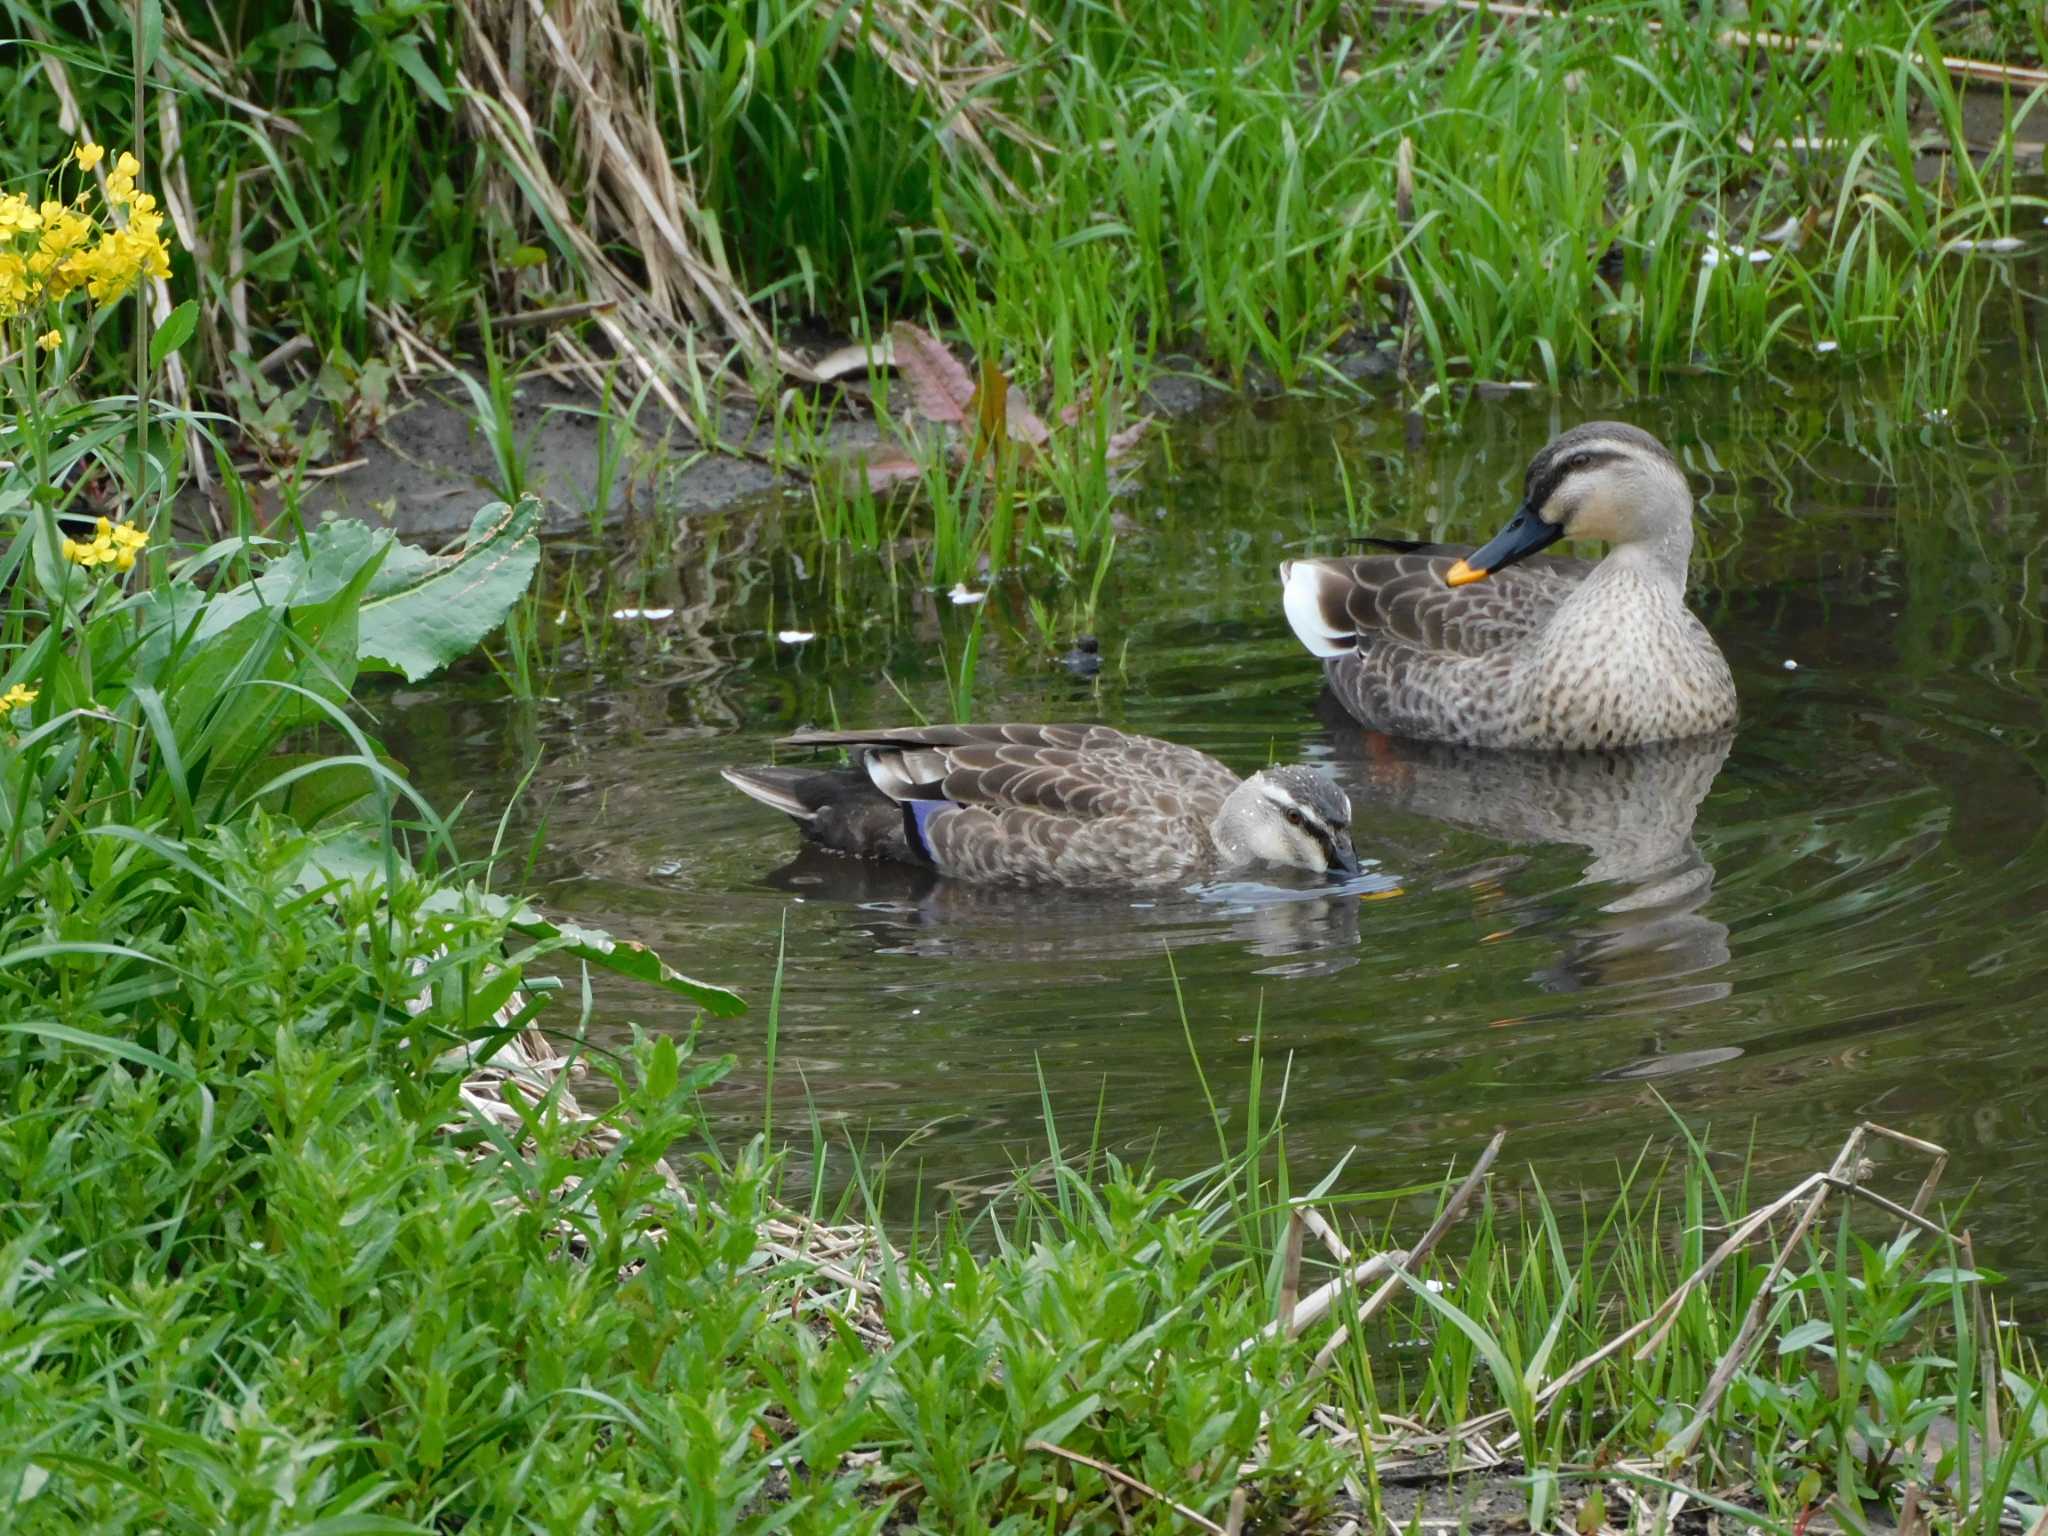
(1836, 916)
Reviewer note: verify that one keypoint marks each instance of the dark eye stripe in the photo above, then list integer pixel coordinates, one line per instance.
(1544, 479)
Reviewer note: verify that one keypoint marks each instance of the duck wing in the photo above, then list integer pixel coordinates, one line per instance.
(1072, 805)
(1086, 772)
(1339, 605)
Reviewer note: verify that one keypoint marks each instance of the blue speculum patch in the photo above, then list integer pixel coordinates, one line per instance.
(917, 814)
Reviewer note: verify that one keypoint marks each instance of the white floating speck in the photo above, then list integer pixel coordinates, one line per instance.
(2002, 245)
(1714, 255)
(651, 615)
(1827, 346)
(915, 1012)
(562, 616)
(794, 636)
(962, 596)
(1791, 665)
(1781, 233)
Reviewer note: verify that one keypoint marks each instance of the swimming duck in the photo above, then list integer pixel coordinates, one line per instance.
(1559, 654)
(1065, 805)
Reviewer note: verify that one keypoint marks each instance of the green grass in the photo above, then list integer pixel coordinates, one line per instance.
(274, 1275)
(1222, 180)
(1091, 196)
(265, 1262)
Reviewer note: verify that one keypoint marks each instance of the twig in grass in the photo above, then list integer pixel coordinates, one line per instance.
(1290, 1272)
(1658, 1324)
(1445, 1220)
(553, 313)
(1319, 1224)
(1130, 1482)
(1845, 1173)
(281, 354)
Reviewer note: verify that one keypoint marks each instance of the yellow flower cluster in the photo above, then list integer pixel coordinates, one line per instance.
(114, 544)
(49, 250)
(14, 698)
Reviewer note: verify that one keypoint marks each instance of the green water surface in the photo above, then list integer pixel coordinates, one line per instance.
(1837, 916)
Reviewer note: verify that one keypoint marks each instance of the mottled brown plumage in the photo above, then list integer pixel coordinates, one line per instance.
(1072, 805)
(1549, 654)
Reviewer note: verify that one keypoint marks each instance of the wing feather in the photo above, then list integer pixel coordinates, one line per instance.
(1344, 603)
(1086, 772)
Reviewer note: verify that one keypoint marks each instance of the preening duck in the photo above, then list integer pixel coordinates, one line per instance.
(1062, 805)
(1470, 645)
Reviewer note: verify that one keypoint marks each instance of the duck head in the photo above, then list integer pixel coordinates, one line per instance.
(1289, 815)
(1602, 480)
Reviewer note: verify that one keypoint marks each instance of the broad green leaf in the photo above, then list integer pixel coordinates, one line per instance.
(1806, 1335)
(176, 330)
(347, 858)
(424, 611)
(594, 946)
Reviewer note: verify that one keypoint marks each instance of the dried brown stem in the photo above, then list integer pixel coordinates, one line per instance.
(1448, 1217)
(1130, 1482)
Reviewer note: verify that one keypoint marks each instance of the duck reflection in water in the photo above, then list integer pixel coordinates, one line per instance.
(1633, 811)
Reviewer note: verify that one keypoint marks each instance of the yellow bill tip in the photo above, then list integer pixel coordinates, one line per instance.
(1463, 575)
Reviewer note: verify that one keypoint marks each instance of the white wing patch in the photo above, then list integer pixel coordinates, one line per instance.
(1301, 585)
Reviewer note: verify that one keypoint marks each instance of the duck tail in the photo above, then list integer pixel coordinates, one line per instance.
(1313, 596)
(781, 788)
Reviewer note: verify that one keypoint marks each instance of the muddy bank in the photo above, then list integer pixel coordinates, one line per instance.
(430, 464)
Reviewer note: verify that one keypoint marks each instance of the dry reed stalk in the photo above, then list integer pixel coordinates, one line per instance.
(1453, 1210)
(1983, 70)
(1317, 1223)
(1813, 1189)
(1847, 1167)
(178, 64)
(1290, 1272)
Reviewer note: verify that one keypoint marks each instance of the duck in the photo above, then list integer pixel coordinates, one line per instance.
(1078, 806)
(1450, 643)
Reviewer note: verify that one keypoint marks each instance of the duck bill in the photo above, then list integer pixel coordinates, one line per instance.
(1343, 859)
(1524, 535)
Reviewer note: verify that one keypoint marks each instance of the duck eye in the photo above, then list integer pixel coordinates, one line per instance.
(1294, 817)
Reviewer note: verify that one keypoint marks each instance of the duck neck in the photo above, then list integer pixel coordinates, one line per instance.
(1662, 557)
(1230, 830)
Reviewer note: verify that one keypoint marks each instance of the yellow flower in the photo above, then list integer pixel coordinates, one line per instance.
(14, 289)
(14, 698)
(50, 340)
(73, 247)
(18, 215)
(112, 544)
(121, 181)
